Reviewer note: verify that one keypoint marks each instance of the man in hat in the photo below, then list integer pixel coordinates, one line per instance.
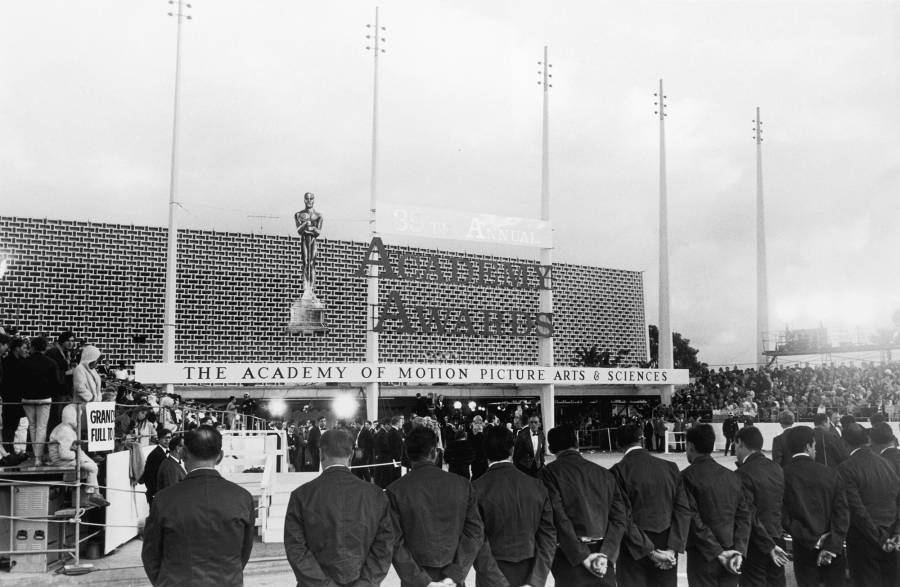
(873, 494)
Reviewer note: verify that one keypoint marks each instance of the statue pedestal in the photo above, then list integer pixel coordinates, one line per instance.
(307, 314)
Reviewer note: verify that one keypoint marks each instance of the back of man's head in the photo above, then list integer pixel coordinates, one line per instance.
(847, 420)
(820, 419)
(628, 435)
(562, 438)
(420, 443)
(798, 439)
(786, 419)
(703, 437)
(203, 445)
(498, 443)
(855, 435)
(336, 444)
(750, 437)
(881, 434)
(395, 420)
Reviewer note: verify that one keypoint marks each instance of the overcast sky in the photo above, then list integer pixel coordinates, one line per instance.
(277, 101)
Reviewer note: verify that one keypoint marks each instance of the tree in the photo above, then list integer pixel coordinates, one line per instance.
(685, 356)
(594, 357)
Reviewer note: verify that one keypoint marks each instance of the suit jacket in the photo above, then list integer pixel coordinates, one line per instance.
(586, 503)
(873, 494)
(892, 455)
(170, 472)
(338, 530)
(780, 453)
(654, 495)
(523, 450)
(199, 532)
(312, 444)
(830, 449)
(518, 520)
(815, 503)
(436, 519)
(730, 427)
(719, 508)
(764, 482)
(61, 360)
(151, 469)
(366, 442)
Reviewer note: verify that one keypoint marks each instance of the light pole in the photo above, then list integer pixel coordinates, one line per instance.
(762, 280)
(545, 344)
(172, 251)
(375, 39)
(665, 357)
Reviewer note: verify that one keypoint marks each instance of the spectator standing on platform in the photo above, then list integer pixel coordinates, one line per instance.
(338, 529)
(815, 513)
(729, 431)
(530, 446)
(42, 382)
(171, 470)
(153, 462)
(86, 382)
(679, 429)
(660, 514)
(780, 454)
(61, 353)
(519, 535)
(230, 413)
(248, 409)
(763, 481)
(200, 531)
(717, 541)
(436, 518)
(142, 429)
(15, 379)
(480, 464)
(588, 511)
(873, 494)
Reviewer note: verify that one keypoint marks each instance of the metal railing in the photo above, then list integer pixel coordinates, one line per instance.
(600, 439)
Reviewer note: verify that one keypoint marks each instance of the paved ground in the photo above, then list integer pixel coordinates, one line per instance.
(267, 567)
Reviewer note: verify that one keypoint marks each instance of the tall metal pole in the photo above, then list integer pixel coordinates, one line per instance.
(762, 282)
(666, 359)
(172, 253)
(372, 389)
(545, 345)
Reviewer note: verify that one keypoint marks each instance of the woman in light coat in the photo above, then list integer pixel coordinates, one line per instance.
(85, 379)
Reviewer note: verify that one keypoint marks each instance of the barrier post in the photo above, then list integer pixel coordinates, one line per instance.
(77, 568)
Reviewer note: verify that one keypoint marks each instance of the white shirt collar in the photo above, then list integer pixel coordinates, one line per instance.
(495, 463)
(884, 449)
(801, 454)
(333, 466)
(854, 450)
(635, 447)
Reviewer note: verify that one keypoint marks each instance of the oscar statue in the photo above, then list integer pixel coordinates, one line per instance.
(308, 313)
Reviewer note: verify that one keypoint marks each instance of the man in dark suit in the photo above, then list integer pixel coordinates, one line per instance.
(153, 461)
(61, 353)
(338, 529)
(885, 444)
(729, 430)
(388, 449)
(171, 470)
(436, 518)
(873, 494)
(717, 541)
(764, 483)
(780, 454)
(200, 531)
(365, 447)
(660, 514)
(313, 443)
(588, 511)
(830, 449)
(530, 446)
(520, 538)
(815, 513)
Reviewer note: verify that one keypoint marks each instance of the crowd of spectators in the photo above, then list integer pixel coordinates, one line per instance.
(860, 390)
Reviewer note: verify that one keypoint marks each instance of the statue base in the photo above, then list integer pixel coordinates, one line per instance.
(307, 315)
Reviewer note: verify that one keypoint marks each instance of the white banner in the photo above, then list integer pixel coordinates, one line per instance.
(101, 426)
(462, 226)
(417, 373)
